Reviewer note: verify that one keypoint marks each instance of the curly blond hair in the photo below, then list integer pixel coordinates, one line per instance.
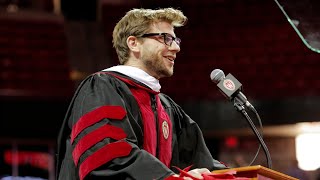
(137, 22)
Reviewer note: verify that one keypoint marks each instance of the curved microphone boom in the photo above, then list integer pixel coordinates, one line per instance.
(231, 89)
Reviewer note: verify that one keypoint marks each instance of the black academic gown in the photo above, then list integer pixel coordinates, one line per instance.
(120, 154)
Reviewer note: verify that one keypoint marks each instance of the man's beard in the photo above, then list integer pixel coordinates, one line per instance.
(157, 65)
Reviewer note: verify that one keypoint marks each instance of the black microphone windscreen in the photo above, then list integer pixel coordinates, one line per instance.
(217, 75)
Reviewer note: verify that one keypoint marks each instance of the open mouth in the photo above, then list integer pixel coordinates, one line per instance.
(170, 58)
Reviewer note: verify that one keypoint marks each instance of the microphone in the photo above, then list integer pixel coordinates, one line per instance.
(231, 89)
(229, 86)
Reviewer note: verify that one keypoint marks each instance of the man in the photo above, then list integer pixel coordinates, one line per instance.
(118, 125)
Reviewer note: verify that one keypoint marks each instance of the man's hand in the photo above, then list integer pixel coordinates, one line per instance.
(197, 172)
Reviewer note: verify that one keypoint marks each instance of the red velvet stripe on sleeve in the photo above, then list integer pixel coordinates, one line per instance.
(102, 156)
(112, 112)
(106, 131)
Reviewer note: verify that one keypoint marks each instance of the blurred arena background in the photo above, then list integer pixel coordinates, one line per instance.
(48, 46)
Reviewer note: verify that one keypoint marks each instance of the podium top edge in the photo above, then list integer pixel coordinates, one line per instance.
(258, 169)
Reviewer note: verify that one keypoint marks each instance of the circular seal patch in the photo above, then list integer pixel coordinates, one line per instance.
(165, 129)
(228, 84)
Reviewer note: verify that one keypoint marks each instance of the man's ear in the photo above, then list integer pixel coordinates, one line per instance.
(133, 43)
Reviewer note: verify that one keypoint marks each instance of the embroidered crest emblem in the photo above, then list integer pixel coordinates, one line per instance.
(165, 129)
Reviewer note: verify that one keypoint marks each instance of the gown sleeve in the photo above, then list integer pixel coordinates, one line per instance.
(104, 135)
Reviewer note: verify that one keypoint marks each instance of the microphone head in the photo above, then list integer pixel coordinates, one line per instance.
(217, 75)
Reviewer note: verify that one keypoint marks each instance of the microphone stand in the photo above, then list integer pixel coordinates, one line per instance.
(240, 107)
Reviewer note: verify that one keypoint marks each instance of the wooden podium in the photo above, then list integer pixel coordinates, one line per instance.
(257, 173)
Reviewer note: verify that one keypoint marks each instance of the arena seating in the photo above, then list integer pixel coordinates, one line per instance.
(33, 58)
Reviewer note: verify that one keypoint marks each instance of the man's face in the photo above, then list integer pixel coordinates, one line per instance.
(158, 58)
